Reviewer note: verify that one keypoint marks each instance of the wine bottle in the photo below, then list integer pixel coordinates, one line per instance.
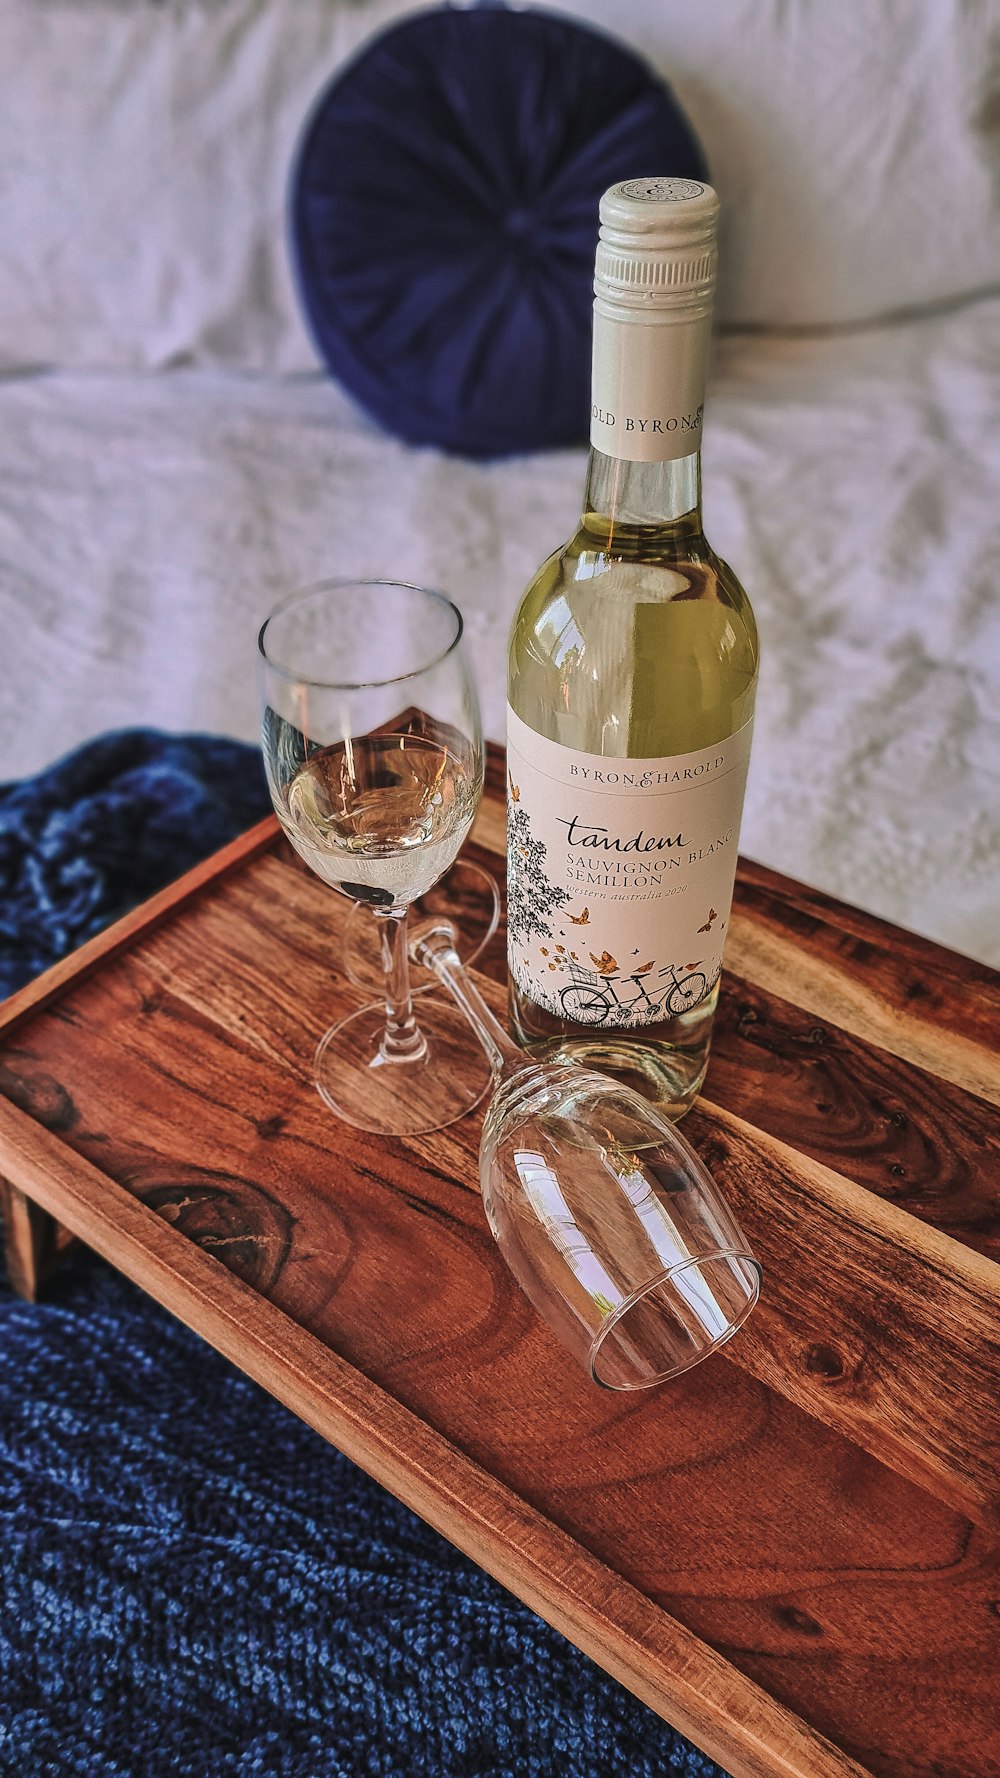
(632, 675)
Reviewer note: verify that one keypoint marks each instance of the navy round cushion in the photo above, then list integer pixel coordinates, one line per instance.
(444, 219)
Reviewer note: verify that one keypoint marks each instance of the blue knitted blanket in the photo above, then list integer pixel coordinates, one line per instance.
(192, 1582)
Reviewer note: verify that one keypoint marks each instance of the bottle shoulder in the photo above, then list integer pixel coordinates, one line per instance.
(593, 587)
(648, 642)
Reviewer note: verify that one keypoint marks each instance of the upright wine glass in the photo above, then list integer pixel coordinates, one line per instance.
(374, 755)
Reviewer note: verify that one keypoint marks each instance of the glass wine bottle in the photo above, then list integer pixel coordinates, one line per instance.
(632, 676)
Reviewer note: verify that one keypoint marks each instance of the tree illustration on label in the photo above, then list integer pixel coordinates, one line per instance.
(531, 895)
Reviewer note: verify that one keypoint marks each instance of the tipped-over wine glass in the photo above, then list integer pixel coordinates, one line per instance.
(374, 755)
(605, 1215)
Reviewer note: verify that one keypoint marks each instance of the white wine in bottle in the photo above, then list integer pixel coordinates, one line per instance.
(632, 675)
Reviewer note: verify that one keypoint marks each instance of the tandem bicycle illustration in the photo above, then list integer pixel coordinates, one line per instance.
(591, 998)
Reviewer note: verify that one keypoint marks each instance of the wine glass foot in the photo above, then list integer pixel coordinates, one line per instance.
(401, 1098)
(466, 896)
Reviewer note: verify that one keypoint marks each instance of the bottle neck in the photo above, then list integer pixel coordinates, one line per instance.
(620, 492)
(647, 398)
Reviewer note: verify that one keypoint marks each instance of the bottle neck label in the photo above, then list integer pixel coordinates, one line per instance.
(620, 876)
(648, 385)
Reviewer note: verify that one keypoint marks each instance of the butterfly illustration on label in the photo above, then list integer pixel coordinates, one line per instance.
(515, 794)
(579, 919)
(712, 917)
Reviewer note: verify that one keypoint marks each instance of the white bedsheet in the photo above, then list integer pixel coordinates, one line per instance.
(147, 522)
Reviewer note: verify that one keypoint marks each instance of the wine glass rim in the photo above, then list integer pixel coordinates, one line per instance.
(339, 585)
(624, 1308)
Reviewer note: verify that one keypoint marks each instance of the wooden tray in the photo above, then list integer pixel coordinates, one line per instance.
(791, 1553)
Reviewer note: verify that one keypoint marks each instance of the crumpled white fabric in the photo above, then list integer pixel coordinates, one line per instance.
(147, 524)
(145, 151)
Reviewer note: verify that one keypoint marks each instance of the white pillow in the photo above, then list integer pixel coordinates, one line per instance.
(855, 145)
(145, 151)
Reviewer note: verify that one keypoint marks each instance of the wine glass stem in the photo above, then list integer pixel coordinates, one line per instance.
(435, 949)
(402, 1040)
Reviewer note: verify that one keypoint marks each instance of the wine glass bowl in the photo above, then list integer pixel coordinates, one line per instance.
(612, 1226)
(379, 817)
(374, 757)
(610, 1223)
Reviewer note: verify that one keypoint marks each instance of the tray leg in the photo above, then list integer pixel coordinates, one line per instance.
(33, 1241)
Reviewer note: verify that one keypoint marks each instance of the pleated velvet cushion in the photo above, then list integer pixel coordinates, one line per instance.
(444, 219)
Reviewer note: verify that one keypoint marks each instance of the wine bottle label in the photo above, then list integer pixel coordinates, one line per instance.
(648, 386)
(619, 876)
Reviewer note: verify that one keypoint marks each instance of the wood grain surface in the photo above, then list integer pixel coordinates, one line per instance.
(791, 1552)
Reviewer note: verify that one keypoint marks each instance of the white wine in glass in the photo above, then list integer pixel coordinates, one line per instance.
(382, 816)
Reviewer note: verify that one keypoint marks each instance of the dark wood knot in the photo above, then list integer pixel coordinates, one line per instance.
(826, 1362)
(269, 1126)
(232, 1219)
(791, 1618)
(38, 1093)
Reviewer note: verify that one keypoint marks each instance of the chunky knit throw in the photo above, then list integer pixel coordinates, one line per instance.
(192, 1582)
